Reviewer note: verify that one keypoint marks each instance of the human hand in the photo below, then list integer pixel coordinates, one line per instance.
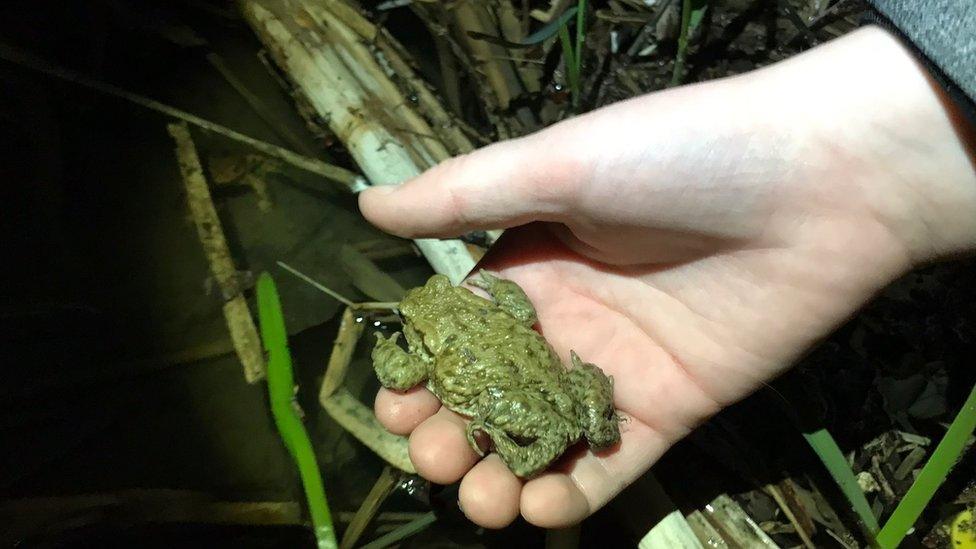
(692, 243)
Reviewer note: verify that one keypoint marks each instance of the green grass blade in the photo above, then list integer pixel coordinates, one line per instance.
(537, 37)
(550, 28)
(679, 62)
(570, 61)
(281, 389)
(692, 14)
(833, 459)
(580, 36)
(698, 8)
(932, 476)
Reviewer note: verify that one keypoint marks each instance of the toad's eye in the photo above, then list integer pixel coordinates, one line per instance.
(522, 440)
(610, 412)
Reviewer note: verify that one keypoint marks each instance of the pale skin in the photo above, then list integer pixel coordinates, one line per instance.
(693, 243)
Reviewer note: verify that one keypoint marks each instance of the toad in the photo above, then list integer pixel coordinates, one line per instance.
(483, 359)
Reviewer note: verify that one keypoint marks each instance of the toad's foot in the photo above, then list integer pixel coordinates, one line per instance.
(528, 459)
(396, 368)
(508, 296)
(593, 390)
(474, 427)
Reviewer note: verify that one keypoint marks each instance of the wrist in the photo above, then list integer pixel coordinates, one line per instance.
(885, 143)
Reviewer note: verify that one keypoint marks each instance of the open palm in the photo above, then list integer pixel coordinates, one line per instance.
(690, 250)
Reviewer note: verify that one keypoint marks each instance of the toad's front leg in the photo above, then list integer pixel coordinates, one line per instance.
(509, 296)
(396, 368)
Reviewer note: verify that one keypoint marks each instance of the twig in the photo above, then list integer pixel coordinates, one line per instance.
(886, 488)
(402, 532)
(520, 59)
(240, 324)
(335, 295)
(377, 306)
(350, 180)
(343, 347)
(612, 17)
(780, 500)
(641, 37)
(368, 277)
(384, 485)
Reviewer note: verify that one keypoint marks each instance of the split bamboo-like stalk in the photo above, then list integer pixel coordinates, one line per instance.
(319, 46)
(351, 414)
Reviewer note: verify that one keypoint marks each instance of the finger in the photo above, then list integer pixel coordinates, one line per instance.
(553, 501)
(560, 499)
(489, 494)
(501, 186)
(439, 448)
(402, 412)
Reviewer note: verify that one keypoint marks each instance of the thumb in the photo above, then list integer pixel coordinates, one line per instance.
(500, 186)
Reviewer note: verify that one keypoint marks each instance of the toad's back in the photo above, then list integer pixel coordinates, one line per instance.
(476, 346)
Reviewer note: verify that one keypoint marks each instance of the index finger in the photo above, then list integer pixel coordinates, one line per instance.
(402, 412)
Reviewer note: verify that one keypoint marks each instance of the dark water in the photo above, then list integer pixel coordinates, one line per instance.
(118, 381)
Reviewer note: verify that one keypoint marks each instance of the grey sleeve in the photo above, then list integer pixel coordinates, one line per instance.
(944, 31)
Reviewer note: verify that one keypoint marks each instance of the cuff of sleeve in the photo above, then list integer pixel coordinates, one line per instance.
(965, 104)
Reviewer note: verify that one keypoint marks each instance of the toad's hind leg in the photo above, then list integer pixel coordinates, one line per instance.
(396, 368)
(593, 390)
(508, 296)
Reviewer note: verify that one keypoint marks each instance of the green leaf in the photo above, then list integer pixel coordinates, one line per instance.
(833, 459)
(932, 476)
(570, 61)
(692, 13)
(698, 9)
(537, 37)
(281, 391)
